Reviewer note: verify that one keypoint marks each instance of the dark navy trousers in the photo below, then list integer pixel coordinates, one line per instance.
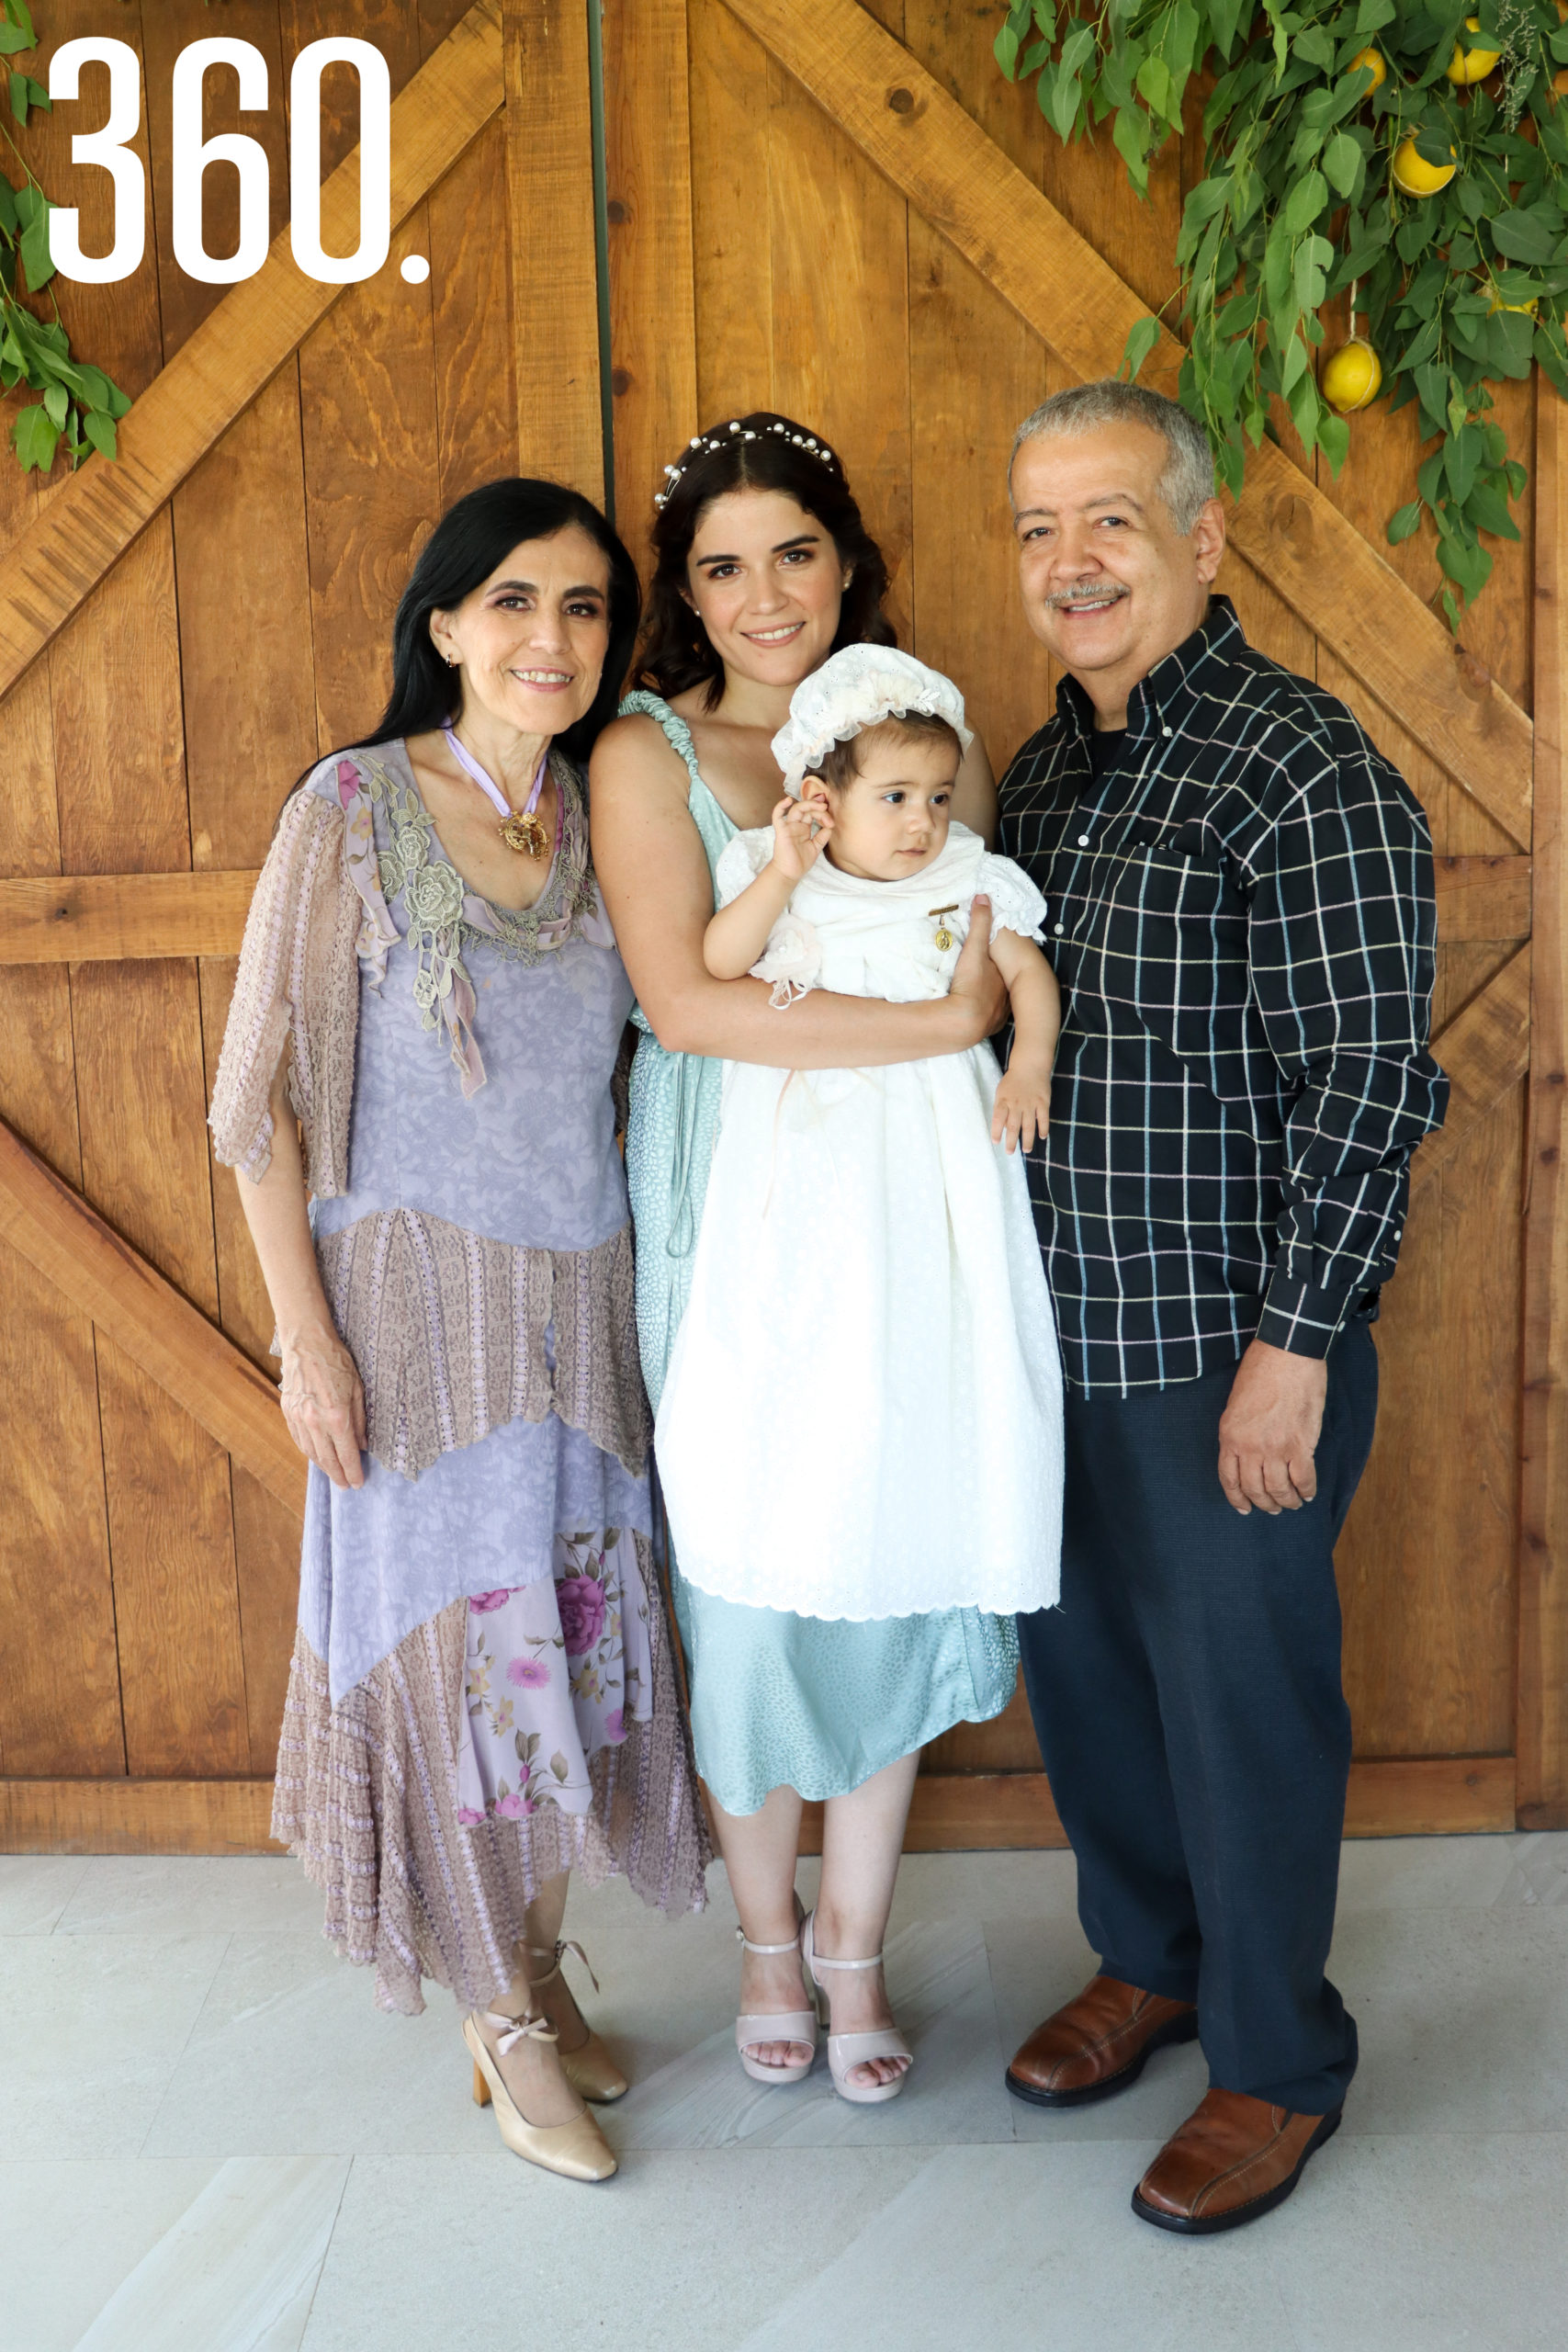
(1188, 1700)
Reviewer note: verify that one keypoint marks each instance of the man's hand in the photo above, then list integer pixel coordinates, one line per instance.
(1269, 1430)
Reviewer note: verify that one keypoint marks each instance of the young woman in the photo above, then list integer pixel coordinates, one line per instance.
(862, 1415)
(764, 568)
(481, 1696)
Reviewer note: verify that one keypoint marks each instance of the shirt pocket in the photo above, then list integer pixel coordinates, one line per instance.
(1176, 938)
(1189, 843)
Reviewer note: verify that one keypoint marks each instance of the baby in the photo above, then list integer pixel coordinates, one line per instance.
(864, 1225)
(879, 807)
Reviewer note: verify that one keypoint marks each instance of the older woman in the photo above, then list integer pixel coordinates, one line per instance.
(428, 1014)
(764, 566)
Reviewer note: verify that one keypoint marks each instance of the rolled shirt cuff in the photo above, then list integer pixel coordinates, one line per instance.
(1303, 1319)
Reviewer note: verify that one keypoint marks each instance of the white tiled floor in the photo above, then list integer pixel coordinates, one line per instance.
(211, 2142)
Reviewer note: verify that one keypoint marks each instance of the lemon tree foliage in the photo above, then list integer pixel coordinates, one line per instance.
(77, 404)
(1413, 155)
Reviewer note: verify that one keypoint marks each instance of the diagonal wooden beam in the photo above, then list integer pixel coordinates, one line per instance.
(1485, 1050)
(103, 1276)
(922, 140)
(91, 519)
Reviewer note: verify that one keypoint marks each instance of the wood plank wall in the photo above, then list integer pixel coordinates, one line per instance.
(148, 1585)
(814, 288)
(147, 1582)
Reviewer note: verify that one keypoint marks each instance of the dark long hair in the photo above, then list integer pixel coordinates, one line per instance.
(470, 541)
(762, 452)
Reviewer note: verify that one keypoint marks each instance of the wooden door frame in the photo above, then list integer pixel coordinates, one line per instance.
(932, 153)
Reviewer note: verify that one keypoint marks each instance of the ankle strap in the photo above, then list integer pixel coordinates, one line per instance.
(742, 1938)
(512, 2030)
(556, 1954)
(820, 1960)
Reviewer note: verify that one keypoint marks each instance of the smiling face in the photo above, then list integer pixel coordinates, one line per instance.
(766, 581)
(531, 639)
(1108, 584)
(892, 817)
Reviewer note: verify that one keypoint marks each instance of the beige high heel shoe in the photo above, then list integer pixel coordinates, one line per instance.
(847, 2051)
(578, 2150)
(590, 2069)
(771, 2025)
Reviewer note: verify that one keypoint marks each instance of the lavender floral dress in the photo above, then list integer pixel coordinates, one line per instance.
(481, 1693)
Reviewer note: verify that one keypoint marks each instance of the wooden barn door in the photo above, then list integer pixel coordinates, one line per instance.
(180, 634)
(846, 213)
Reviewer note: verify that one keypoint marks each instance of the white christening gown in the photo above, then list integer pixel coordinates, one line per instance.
(863, 1412)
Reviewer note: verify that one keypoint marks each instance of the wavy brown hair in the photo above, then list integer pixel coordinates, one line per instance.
(762, 452)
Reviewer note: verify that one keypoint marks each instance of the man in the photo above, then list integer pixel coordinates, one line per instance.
(1240, 913)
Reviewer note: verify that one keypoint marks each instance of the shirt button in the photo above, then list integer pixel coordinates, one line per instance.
(1057, 929)
(1083, 840)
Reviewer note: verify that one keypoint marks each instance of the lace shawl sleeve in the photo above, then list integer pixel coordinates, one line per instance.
(297, 987)
(1016, 904)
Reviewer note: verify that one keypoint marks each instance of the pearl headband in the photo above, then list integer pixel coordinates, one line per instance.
(700, 447)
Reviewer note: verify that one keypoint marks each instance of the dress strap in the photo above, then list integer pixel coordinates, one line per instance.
(677, 734)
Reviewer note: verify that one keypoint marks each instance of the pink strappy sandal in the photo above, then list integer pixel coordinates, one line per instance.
(848, 2050)
(783, 2025)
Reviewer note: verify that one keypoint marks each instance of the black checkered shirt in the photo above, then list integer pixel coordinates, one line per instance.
(1240, 914)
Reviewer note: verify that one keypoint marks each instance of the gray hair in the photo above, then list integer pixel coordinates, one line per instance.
(1187, 482)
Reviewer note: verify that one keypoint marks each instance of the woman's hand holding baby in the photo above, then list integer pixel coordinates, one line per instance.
(800, 834)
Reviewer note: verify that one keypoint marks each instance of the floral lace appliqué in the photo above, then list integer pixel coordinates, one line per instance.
(413, 871)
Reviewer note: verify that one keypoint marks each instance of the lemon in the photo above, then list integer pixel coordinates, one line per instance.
(1471, 65)
(1372, 59)
(1413, 175)
(1352, 377)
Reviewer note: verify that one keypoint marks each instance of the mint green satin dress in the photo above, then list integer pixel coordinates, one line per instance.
(813, 1703)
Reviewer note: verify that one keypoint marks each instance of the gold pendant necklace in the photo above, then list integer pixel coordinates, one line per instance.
(519, 828)
(524, 834)
(943, 940)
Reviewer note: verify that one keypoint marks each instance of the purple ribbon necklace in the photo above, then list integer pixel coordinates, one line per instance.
(520, 827)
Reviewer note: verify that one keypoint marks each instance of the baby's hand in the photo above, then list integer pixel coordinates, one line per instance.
(800, 830)
(1023, 1107)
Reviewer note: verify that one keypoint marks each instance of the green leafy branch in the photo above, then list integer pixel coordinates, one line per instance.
(78, 404)
(1411, 153)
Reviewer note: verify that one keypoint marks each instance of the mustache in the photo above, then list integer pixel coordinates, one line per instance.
(1063, 599)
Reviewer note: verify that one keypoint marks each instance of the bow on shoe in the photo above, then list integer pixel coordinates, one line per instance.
(515, 2030)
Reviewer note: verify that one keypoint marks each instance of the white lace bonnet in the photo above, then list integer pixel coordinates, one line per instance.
(857, 688)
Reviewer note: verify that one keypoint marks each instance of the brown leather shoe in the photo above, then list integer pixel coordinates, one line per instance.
(1233, 2159)
(1097, 2044)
